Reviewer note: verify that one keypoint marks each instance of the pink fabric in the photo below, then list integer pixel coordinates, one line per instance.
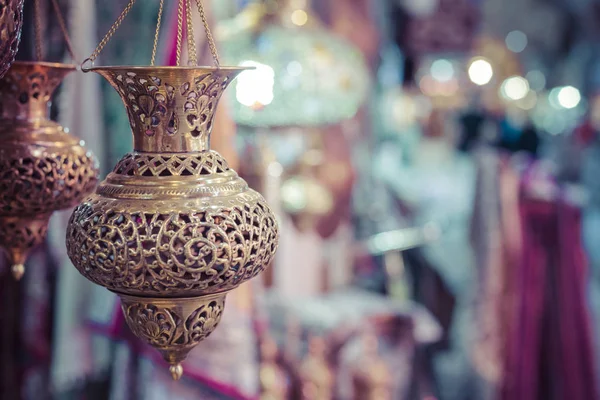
(550, 351)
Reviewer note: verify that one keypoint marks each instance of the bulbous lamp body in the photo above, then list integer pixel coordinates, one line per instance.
(172, 229)
(42, 168)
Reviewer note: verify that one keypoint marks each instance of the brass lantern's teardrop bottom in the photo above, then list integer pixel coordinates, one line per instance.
(18, 270)
(176, 371)
(19, 236)
(173, 326)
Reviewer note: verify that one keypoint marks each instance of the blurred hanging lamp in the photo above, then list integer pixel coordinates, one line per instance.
(304, 75)
(11, 22)
(42, 167)
(172, 229)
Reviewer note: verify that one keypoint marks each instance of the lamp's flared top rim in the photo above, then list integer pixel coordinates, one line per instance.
(168, 68)
(56, 65)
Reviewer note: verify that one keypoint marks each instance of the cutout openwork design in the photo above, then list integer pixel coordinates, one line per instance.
(172, 252)
(11, 20)
(153, 164)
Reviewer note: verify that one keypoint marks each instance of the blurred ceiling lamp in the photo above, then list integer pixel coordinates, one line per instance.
(480, 71)
(569, 97)
(315, 78)
(514, 88)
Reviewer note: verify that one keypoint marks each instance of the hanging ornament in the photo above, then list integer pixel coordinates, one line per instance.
(303, 76)
(42, 167)
(11, 22)
(316, 190)
(172, 229)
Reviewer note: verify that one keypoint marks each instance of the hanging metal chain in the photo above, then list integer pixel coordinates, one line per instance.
(191, 42)
(38, 29)
(179, 31)
(108, 35)
(63, 28)
(157, 33)
(192, 58)
(209, 36)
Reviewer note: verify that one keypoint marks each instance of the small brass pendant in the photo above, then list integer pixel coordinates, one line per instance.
(172, 229)
(42, 167)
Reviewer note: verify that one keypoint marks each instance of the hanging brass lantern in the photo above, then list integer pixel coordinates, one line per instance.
(42, 167)
(11, 22)
(172, 229)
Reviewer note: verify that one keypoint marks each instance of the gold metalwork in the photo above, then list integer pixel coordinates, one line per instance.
(209, 36)
(63, 29)
(42, 167)
(157, 32)
(179, 31)
(11, 22)
(315, 373)
(193, 59)
(172, 229)
(108, 36)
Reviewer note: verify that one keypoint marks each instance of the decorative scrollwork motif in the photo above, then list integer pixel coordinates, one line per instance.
(33, 185)
(11, 20)
(186, 249)
(165, 324)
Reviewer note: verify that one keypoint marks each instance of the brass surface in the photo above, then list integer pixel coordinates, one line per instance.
(172, 229)
(11, 22)
(42, 167)
(173, 326)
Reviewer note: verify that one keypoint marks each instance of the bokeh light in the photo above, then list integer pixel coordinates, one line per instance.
(480, 71)
(514, 88)
(442, 70)
(516, 41)
(536, 79)
(569, 97)
(299, 17)
(255, 87)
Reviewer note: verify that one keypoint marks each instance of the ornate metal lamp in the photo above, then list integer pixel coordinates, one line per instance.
(42, 167)
(309, 76)
(11, 22)
(172, 229)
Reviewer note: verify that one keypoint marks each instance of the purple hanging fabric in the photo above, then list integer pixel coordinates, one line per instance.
(550, 352)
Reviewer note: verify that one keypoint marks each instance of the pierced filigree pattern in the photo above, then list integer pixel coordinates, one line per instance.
(173, 111)
(27, 88)
(147, 164)
(34, 185)
(22, 235)
(173, 252)
(11, 20)
(163, 326)
(172, 229)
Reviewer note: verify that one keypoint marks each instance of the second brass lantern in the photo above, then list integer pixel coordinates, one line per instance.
(42, 167)
(172, 229)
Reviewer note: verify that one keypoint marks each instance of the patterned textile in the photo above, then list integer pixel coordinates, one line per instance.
(549, 353)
